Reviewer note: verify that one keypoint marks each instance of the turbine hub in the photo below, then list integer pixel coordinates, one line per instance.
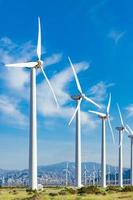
(83, 95)
(39, 63)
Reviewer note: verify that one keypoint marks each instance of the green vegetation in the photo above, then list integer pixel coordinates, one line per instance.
(64, 193)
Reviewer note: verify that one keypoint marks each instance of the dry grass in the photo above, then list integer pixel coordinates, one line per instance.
(54, 194)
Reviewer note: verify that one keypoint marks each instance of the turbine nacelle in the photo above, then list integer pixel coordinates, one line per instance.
(76, 97)
(130, 131)
(120, 128)
(130, 136)
(104, 117)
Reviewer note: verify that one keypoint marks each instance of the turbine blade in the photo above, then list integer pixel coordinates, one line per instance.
(91, 101)
(111, 129)
(131, 131)
(75, 75)
(98, 113)
(28, 64)
(126, 130)
(75, 112)
(109, 102)
(122, 123)
(39, 40)
(50, 86)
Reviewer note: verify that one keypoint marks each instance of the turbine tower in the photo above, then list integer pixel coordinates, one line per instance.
(33, 66)
(121, 130)
(131, 157)
(104, 117)
(78, 98)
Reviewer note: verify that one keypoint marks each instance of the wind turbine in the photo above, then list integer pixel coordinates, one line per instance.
(93, 175)
(131, 158)
(121, 130)
(67, 173)
(115, 176)
(33, 66)
(85, 175)
(108, 175)
(104, 117)
(78, 98)
(99, 176)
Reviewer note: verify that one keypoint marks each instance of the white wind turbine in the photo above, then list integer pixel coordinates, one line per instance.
(115, 176)
(67, 174)
(104, 117)
(85, 175)
(33, 66)
(131, 157)
(94, 175)
(78, 98)
(108, 175)
(121, 130)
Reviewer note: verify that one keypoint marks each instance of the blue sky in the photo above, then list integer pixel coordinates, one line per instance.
(98, 36)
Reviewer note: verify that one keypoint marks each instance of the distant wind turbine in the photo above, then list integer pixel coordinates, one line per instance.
(78, 98)
(115, 175)
(67, 173)
(93, 175)
(131, 156)
(85, 175)
(33, 113)
(104, 117)
(108, 175)
(121, 130)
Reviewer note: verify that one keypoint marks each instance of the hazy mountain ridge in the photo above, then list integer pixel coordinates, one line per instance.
(60, 167)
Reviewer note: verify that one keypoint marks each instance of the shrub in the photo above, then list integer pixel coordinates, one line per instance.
(14, 192)
(63, 192)
(29, 191)
(35, 197)
(127, 189)
(30, 198)
(71, 190)
(53, 194)
(113, 189)
(91, 190)
(82, 190)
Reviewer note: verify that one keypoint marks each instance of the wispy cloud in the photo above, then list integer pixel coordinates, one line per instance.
(116, 36)
(129, 110)
(99, 92)
(54, 58)
(11, 52)
(97, 6)
(10, 111)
